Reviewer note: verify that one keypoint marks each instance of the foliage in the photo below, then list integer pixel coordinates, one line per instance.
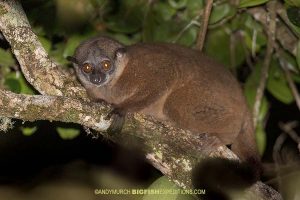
(163, 184)
(234, 38)
(68, 133)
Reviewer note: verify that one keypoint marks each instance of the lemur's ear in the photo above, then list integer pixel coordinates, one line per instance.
(119, 53)
(72, 59)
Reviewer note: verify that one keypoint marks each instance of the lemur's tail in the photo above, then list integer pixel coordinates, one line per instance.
(219, 176)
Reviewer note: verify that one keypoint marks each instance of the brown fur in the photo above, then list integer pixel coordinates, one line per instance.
(183, 86)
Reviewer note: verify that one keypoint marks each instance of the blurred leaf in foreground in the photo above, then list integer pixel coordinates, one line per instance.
(164, 184)
(6, 58)
(28, 131)
(67, 133)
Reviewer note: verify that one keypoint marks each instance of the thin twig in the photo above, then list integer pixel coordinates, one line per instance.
(285, 67)
(289, 129)
(190, 24)
(204, 24)
(283, 15)
(264, 72)
(284, 35)
(241, 39)
(278, 161)
(222, 22)
(291, 83)
(253, 44)
(277, 158)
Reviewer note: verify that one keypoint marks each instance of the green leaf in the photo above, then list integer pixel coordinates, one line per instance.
(163, 11)
(218, 44)
(251, 24)
(220, 12)
(72, 43)
(292, 3)
(39, 30)
(193, 7)
(293, 14)
(278, 86)
(261, 138)
(250, 3)
(162, 184)
(168, 31)
(120, 25)
(163, 32)
(249, 30)
(26, 88)
(58, 53)
(294, 17)
(13, 85)
(28, 131)
(6, 58)
(62, 50)
(45, 43)
(296, 78)
(295, 29)
(290, 59)
(67, 133)
(252, 28)
(16, 82)
(149, 27)
(298, 54)
(177, 4)
(189, 37)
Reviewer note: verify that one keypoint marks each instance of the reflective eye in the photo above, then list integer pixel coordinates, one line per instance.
(106, 65)
(87, 68)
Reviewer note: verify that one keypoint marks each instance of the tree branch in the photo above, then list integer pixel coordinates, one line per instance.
(204, 24)
(64, 109)
(174, 156)
(39, 70)
(271, 32)
(177, 154)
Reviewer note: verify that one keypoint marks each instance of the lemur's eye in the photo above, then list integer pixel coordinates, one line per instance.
(106, 65)
(87, 68)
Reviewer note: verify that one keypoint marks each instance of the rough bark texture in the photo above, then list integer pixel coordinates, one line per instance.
(174, 156)
(39, 70)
